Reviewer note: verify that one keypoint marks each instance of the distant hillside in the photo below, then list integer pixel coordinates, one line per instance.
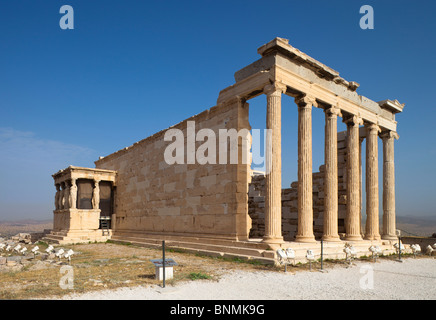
(416, 226)
(10, 228)
(420, 226)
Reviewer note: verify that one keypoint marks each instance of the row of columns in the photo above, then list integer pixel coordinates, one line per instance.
(66, 195)
(305, 205)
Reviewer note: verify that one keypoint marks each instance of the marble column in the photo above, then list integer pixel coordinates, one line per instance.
(389, 185)
(372, 199)
(305, 203)
(331, 175)
(362, 232)
(273, 164)
(352, 223)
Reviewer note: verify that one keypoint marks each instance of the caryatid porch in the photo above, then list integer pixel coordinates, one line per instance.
(83, 204)
(286, 70)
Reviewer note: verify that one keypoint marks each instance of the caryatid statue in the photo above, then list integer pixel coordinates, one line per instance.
(73, 194)
(61, 196)
(96, 195)
(67, 195)
(58, 188)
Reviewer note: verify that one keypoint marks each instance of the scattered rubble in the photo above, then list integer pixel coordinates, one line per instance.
(19, 251)
(22, 237)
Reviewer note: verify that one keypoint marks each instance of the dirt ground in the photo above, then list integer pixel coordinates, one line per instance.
(106, 266)
(413, 279)
(99, 266)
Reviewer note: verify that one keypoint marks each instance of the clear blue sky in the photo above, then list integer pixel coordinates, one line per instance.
(132, 68)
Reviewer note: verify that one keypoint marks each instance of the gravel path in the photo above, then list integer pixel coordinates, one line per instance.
(412, 279)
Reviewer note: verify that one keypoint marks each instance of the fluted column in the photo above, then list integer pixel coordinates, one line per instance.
(305, 204)
(389, 185)
(352, 223)
(273, 164)
(362, 232)
(331, 175)
(372, 199)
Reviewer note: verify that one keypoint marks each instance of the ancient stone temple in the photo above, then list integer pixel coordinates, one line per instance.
(83, 204)
(223, 208)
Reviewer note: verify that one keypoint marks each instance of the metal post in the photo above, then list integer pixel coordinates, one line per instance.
(322, 254)
(163, 262)
(399, 248)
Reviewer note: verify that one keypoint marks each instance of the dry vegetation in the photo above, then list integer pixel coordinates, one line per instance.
(109, 266)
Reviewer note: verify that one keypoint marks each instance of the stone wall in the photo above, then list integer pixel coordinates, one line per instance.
(422, 241)
(182, 199)
(76, 219)
(256, 200)
(36, 236)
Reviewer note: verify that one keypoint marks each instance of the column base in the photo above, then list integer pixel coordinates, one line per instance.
(389, 237)
(372, 237)
(331, 238)
(305, 239)
(352, 237)
(273, 240)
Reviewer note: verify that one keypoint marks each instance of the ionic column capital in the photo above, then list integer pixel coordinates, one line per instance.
(353, 121)
(373, 128)
(333, 112)
(306, 101)
(389, 135)
(275, 89)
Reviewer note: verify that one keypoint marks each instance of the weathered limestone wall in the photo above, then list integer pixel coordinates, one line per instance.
(256, 206)
(256, 201)
(76, 219)
(182, 199)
